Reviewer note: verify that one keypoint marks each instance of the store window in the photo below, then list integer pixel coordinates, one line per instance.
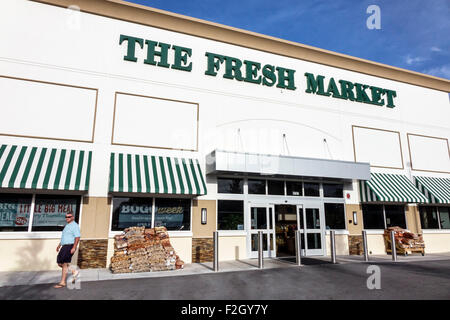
(50, 212)
(258, 218)
(395, 216)
(312, 218)
(294, 188)
(429, 217)
(378, 216)
(14, 212)
(312, 189)
(174, 214)
(373, 216)
(333, 190)
(230, 185)
(131, 212)
(334, 216)
(275, 187)
(433, 217)
(230, 215)
(256, 186)
(444, 215)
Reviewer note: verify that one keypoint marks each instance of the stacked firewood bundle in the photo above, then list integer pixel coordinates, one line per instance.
(143, 250)
(405, 242)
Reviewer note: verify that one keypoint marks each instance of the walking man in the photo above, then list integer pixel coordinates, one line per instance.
(67, 247)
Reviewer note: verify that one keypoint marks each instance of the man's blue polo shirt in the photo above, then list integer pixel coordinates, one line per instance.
(70, 232)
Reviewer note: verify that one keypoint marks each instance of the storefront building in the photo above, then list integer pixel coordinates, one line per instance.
(126, 115)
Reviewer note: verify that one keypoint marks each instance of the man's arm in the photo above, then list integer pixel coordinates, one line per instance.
(75, 245)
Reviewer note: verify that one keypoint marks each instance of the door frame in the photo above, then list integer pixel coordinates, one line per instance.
(313, 252)
(270, 208)
(270, 203)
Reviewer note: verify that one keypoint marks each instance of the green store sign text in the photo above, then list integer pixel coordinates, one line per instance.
(256, 73)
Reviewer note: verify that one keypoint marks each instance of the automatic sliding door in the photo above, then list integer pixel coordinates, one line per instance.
(286, 223)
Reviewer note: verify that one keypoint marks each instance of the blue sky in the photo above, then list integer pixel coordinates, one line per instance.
(414, 34)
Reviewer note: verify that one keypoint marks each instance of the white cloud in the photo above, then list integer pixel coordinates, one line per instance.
(435, 49)
(412, 60)
(441, 71)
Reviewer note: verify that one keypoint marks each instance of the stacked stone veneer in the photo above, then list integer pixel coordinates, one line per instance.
(355, 245)
(92, 254)
(202, 250)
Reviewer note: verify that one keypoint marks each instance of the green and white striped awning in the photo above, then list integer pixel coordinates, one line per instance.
(387, 187)
(437, 190)
(154, 174)
(24, 167)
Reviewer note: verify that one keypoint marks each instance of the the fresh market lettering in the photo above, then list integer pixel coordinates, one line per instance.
(349, 91)
(158, 49)
(157, 54)
(250, 71)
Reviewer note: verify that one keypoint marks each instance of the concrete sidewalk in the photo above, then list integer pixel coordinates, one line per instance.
(16, 278)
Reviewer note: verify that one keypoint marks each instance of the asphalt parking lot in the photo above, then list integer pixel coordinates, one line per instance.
(412, 280)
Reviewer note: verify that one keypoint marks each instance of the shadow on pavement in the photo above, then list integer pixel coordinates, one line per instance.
(307, 261)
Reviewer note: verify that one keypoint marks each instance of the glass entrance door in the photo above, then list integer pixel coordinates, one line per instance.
(286, 223)
(311, 226)
(261, 219)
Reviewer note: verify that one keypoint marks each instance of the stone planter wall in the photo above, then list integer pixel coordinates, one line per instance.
(202, 250)
(92, 253)
(355, 245)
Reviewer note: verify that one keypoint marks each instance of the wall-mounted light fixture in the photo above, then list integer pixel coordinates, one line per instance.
(204, 212)
(355, 218)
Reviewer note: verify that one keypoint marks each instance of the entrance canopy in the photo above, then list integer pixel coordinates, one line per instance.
(390, 188)
(23, 167)
(154, 174)
(437, 190)
(224, 162)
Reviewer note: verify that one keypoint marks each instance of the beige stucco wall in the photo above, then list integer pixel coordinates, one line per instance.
(95, 218)
(437, 242)
(200, 230)
(232, 248)
(412, 218)
(183, 248)
(354, 229)
(375, 244)
(341, 244)
(30, 255)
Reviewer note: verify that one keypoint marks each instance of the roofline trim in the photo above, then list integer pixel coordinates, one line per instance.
(152, 17)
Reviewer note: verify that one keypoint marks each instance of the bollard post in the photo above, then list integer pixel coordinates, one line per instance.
(216, 250)
(260, 250)
(298, 247)
(333, 246)
(393, 246)
(366, 252)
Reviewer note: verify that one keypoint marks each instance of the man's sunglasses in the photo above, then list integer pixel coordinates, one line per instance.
(68, 217)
